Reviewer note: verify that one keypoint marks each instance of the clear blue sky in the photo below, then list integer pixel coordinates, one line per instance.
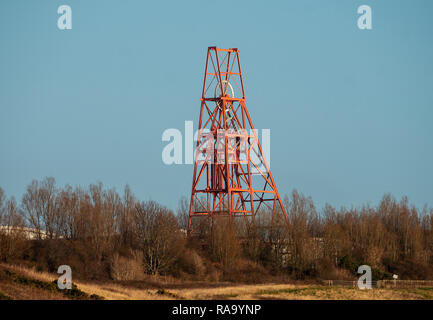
(350, 111)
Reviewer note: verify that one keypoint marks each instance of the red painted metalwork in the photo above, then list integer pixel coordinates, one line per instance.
(231, 176)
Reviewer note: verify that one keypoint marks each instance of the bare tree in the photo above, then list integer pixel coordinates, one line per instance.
(12, 234)
(67, 206)
(125, 219)
(158, 236)
(2, 205)
(104, 207)
(302, 251)
(224, 245)
(183, 213)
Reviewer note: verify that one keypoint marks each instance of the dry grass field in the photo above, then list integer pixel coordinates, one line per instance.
(33, 285)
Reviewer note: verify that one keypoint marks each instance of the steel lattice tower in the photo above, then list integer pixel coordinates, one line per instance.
(231, 176)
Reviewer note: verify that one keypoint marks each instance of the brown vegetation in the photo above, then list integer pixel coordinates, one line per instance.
(103, 235)
(166, 288)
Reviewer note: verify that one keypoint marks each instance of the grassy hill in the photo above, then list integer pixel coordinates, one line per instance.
(22, 283)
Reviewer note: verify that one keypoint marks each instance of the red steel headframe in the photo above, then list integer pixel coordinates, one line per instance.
(231, 176)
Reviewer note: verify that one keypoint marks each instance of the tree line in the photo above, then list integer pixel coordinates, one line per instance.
(104, 235)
